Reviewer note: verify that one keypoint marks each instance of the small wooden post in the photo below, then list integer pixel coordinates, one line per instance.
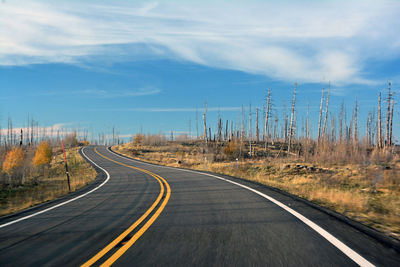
(66, 166)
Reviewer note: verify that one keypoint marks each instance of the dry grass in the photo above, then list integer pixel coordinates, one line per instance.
(48, 183)
(368, 192)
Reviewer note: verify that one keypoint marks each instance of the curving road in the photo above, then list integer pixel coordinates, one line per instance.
(138, 214)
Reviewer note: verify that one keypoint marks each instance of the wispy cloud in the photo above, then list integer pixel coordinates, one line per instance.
(158, 109)
(283, 40)
(57, 129)
(105, 93)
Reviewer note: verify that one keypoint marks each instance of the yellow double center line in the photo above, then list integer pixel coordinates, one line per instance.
(143, 229)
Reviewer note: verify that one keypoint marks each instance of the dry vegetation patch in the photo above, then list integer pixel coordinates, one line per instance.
(31, 185)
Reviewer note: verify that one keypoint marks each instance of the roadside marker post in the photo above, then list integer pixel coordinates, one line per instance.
(66, 165)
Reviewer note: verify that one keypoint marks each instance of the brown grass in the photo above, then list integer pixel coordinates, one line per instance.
(365, 190)
(47, 183)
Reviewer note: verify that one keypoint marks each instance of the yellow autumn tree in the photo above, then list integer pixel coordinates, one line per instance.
(43, 154)
(13, 160)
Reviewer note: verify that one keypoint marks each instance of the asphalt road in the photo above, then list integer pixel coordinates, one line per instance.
(201, 221)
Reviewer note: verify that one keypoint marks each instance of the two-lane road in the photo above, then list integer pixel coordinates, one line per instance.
(142, 214)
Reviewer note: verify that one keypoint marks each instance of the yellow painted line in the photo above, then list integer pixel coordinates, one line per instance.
(130, 242)
(138, 234)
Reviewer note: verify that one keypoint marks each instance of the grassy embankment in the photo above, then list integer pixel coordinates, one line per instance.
(368, 192)
(47, 183)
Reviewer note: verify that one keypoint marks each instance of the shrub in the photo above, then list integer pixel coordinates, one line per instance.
(13, 160)
(231, 150)
(43, 154)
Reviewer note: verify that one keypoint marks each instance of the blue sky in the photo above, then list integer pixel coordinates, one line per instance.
(148, 65)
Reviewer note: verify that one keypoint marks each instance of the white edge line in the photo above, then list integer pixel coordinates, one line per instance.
(66, 202)
(357, 258)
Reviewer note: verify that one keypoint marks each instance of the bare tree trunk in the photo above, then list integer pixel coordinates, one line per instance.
(368, 131)
(391, 124)
(307, 121)
(190, 129)
(276, 120)
(267, 118)
(286, 123)
(250, 133)
(242, 126)
(32, 131)
(197, 124)
(379, 143)
(205, 123)
(257, 129)
(231, 134)
(219, 134)
(388, 115)
(226, 130)
(326, 111)
(341, 122)
(320, 115)
(355, 123)
(21, 138)
(292, 119)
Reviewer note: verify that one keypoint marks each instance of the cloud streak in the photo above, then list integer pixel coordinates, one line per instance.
(105, 93)
(287, 41)
(200, 110)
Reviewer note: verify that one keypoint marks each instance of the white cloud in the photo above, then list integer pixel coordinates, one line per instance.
(98, 93)
(200, 110)
(303, 41)
(54, 130)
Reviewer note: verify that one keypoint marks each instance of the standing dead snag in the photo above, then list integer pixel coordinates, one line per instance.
(292, 119)
(320, 115)
(250, 133)
(267, 115)
(197, 124)
(391, 124)
(286, 123)
(341, 128)
(307, 134)
(257, 129)
(205, 123)
(325, 130)
(379, 143)
(355, 124)
(389, 97)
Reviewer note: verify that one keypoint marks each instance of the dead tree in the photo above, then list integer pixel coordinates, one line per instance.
(250, 133)
(325, 130)
(388, 115)
(190, 129)
(226, 131)
(197, 123)
(308, 121)
(219, 129)
(355, 123)
(341, 115)
(257, 129)
(21, 138)
(267, 115)
(231, 133)
(275, 128)
(391, 124)
(292, 119)
(379, 143)
(205, 123)
(320, 115)
(286, 123)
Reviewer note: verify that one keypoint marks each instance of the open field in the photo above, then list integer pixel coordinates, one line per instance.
(366, 190)
(46, 183)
